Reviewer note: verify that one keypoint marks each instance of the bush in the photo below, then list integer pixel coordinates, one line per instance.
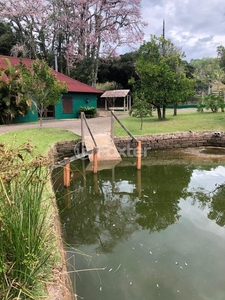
(90, 112)
(211, 101)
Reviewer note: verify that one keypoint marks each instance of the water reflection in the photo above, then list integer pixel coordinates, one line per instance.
(111, 205)
(155, 231)
(163, 187)
(208, 190)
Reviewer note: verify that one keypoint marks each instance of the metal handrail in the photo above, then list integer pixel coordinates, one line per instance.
(121, 124)
(78, 156)
(84, 117)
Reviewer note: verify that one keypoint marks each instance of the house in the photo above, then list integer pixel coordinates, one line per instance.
(79, 94)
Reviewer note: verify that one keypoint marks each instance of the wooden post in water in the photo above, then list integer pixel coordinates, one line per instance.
(66, 173)
(138, 154)
(95, 160)
(95, 176)
(139, 183)
(82, 115)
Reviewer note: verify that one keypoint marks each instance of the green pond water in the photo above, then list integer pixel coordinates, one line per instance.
(158, 233)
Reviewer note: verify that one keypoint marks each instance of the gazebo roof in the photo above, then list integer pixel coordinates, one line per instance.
(115, 94)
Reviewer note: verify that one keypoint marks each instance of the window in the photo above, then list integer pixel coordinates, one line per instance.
(67, 105)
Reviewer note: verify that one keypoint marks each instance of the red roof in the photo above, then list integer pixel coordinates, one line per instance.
(72, 84)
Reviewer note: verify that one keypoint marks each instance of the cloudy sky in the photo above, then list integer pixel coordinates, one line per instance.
(198, 26)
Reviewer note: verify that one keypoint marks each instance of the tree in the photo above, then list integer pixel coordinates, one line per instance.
(183, 91)
(77, 30)
(31, 22)
(221, 56)
(7, 38)
(118, 70)
(207, 72)
(98, 28)
(43, 87)
(141, 108)
(13, 97)
(162, 77)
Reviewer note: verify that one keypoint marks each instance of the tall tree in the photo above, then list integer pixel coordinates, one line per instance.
(206, 71)
(30, 20)
(221, 56)
(7, 38)
(118, 70)
(162, 77)
(97, 28)
(77, 30)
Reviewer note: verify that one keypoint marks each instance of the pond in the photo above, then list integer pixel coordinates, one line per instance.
(153, 234)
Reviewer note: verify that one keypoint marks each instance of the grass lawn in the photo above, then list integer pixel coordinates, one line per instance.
(41, 139)
(193, 121)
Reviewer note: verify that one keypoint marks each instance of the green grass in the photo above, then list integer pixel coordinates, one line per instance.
(193, 121)
(41, 139)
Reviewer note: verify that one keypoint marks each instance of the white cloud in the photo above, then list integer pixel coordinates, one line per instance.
(196, 26)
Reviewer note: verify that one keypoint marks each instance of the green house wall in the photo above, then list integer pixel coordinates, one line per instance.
(31, 116)
(78, 99)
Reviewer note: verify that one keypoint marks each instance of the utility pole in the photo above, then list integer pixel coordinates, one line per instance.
(163, 42)
(164, 29)
(56, 60)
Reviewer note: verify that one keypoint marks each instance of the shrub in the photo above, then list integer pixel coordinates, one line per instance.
(90, 112)
(211, 101)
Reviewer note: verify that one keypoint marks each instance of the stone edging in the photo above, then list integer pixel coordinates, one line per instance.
(155, 141)
(61, 286)
(175, 140)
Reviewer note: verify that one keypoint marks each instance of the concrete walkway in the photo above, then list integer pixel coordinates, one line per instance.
(99, 125)
(107, 150)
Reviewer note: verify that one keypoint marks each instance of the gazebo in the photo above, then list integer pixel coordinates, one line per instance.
(117, 100)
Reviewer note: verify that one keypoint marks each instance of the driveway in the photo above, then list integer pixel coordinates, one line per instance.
(99, 125)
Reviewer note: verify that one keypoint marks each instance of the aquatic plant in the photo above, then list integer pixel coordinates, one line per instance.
(25, 239)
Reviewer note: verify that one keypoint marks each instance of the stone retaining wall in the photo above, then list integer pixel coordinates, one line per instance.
(65, 148)
(154, 142)
(175, 140)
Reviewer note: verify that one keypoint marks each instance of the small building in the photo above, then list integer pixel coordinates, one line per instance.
(79, 94)
(117, 100)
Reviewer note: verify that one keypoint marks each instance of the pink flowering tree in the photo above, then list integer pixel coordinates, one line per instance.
(76, 29)
(31, 24)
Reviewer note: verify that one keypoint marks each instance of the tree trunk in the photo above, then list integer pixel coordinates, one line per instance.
(141, 122)
(40, 122)
(175, 109)
(40, 111)
(164, 112)
(159, 113)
